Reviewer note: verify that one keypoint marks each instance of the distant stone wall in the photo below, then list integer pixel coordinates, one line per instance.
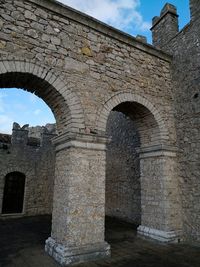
(35, 159)
(123, 192)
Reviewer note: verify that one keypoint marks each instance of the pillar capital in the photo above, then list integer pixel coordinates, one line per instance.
(80, 140)
(158, 151)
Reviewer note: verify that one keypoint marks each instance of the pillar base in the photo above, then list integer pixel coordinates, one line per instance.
(159, 235)
(72, 255)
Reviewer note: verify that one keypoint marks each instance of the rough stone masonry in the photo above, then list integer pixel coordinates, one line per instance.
(127, 117)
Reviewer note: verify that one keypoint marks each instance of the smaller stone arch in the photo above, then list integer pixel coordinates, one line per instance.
(30, 76)
(15, 168)
(128, 96)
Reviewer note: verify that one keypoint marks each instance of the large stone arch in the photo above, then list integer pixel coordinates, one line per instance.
(128, 96)
(48, 85)
(158, 165)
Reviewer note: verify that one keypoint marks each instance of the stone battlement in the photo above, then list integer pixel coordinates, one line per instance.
(31, 136)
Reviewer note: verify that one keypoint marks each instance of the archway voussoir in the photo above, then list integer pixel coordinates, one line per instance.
(40, 71)
(7, 66)
(58, 83)
(131, 97)
(31, 67)
(22, 67)
(2, 69)
(27, 67)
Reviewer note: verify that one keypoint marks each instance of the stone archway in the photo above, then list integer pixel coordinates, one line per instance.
(49, 86)
(128, 96)
(70, 121)
(160, 200)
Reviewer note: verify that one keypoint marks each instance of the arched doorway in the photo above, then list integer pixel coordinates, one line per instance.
(158, 184)
(13, 196)
(52, 87)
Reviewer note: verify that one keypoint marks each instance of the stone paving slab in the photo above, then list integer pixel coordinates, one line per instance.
(22, 245)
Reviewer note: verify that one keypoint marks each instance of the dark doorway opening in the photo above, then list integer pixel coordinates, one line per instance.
(13, 197)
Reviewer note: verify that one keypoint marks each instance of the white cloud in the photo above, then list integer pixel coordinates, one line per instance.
(5, 124)
(122, 14)
(21, 107)
(5, 121)
(37, 111)
(2, 103)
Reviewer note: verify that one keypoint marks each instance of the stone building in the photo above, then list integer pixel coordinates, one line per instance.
(127, 117)
(23, 154)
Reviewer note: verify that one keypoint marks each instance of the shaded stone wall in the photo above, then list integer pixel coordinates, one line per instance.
(36, 161)
(123, 190)
(185, 48)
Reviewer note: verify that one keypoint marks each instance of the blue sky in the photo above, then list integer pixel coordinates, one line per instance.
(131, 16)
(17, 105)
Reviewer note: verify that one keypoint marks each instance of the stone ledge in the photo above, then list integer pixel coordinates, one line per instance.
(159, 235)
(158, 151)
(72, 255)
(86, 20)
(81, 140)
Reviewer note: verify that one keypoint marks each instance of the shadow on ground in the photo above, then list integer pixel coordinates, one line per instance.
(22, 245)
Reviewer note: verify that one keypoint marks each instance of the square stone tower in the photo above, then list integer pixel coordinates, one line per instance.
(165, 26)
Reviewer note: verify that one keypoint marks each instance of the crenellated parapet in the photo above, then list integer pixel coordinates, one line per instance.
(19, 134)
(38, 136)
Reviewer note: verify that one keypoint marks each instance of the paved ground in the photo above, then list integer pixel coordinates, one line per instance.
(22, 243)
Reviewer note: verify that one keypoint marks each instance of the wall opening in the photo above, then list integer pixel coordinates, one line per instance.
(123, 192)
(25, 146)
(131, 127)
(40, 88)
(13, 196)
(29, 149)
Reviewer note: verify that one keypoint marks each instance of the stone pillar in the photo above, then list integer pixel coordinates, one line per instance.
(165, 27)
(194, 9)
(160, 199)
(79, 200)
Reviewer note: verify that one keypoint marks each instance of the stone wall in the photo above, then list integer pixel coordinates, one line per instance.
(34, 158)
(93, 61)
(185, 48)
